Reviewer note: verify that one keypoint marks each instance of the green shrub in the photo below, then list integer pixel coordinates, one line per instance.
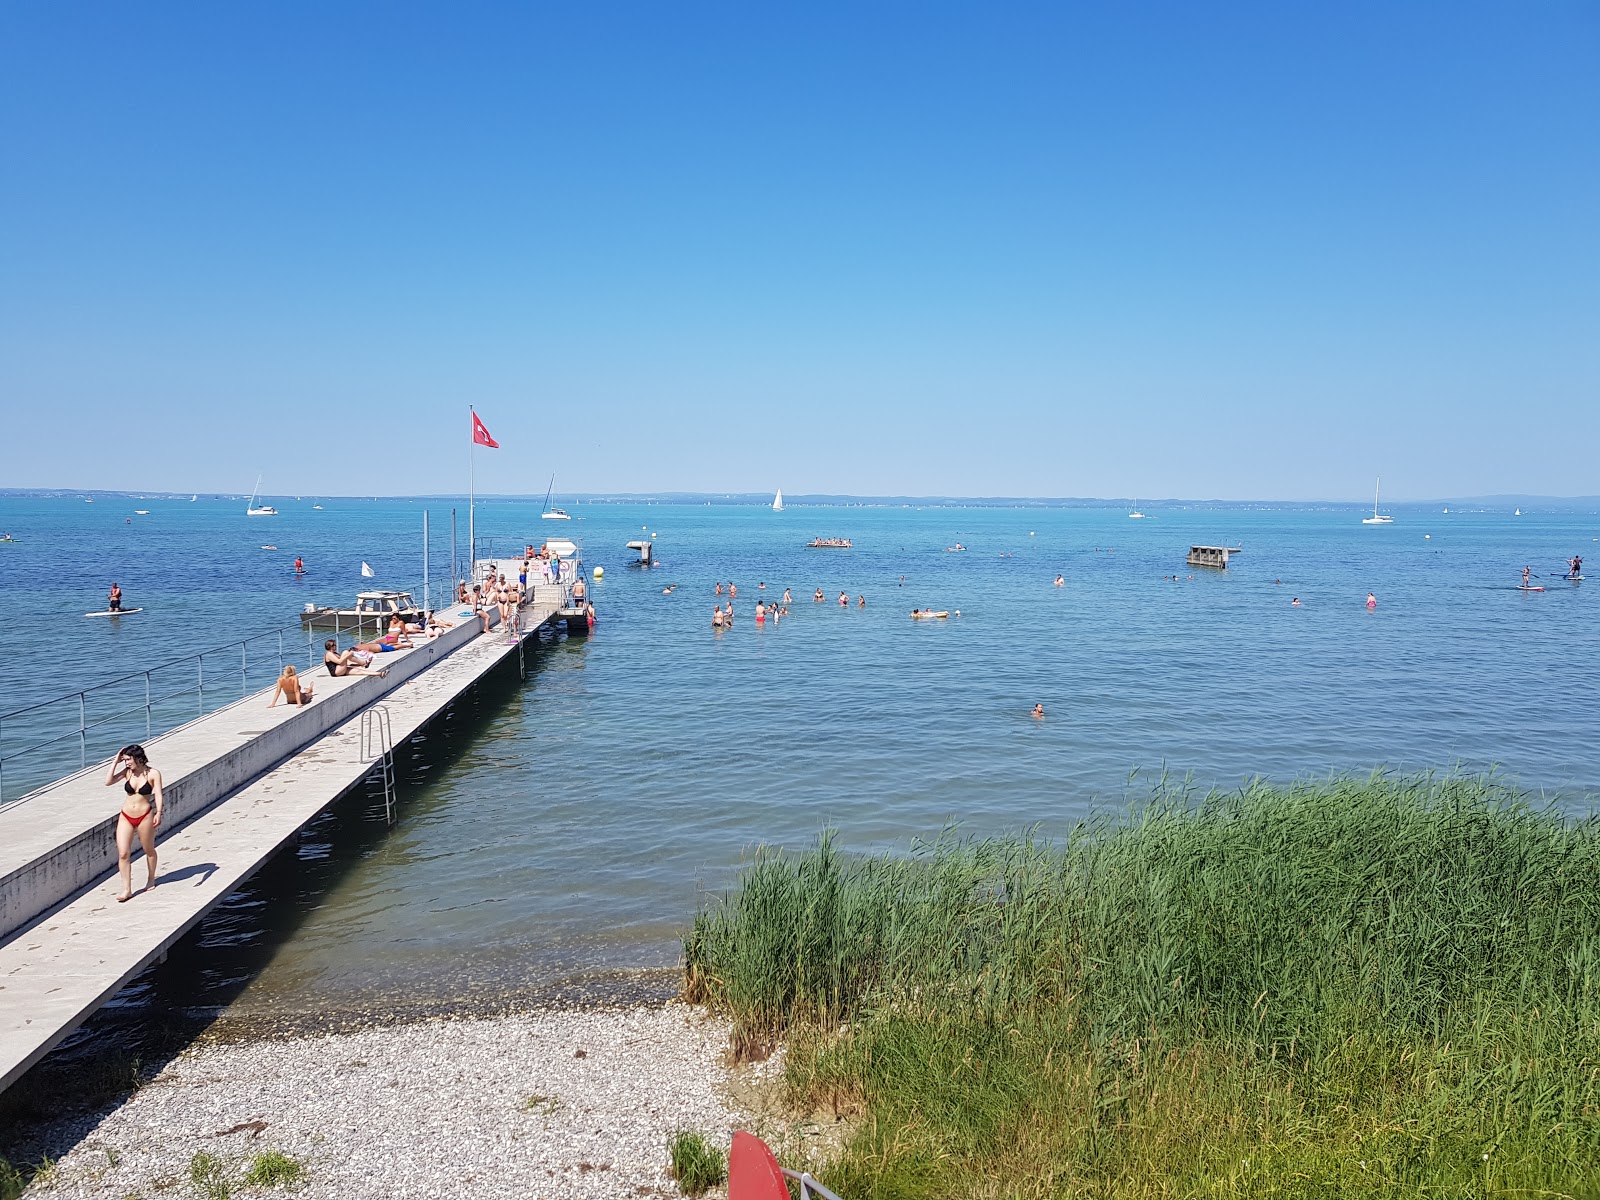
(209, 1175)
(697, 1165)
(272, 1168)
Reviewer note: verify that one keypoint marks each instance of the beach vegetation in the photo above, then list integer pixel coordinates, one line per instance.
(1356, 986)
(274, 1168)
(543, 1105)
(209, 1176)
(12, 1181)
(696, 1163)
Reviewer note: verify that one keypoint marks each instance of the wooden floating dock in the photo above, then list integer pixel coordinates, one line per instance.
(239, 784)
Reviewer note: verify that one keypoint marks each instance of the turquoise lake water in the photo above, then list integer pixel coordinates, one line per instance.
(567, 823)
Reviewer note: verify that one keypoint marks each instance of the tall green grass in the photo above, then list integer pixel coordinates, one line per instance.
(1380, 986)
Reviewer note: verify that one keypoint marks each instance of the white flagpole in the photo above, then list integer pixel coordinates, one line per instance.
(472, 536)
(425, 606)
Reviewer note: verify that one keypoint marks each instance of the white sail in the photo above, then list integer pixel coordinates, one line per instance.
(1377, 518)
(777, 501)
(266, 510)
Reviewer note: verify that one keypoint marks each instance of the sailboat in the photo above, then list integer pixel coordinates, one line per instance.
(777, 501)
(553, 514)
(1377, 518)
(266, 510)
(1136, 513)
(194, 497)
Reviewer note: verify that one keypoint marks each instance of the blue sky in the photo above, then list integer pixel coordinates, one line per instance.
(1250, 250)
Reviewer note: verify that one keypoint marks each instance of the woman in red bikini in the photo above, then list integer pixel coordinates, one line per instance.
(141, 812)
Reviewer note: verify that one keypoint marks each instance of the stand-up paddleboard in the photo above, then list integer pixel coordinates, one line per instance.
(1574, 578)
(1524, 588)
(119, 612)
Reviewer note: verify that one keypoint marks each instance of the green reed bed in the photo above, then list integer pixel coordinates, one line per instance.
(1379, 986)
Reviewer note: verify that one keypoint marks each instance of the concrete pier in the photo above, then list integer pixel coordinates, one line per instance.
(239, 784)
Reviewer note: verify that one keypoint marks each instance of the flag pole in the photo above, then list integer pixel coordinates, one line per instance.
(425, 605)
(472, 533)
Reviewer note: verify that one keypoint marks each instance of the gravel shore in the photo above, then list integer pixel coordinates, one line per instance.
(551, 1105)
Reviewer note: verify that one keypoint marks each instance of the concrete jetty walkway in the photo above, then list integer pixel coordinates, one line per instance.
(239, 784)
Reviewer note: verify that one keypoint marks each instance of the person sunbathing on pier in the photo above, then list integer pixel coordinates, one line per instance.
(344, 664)
(290, 687)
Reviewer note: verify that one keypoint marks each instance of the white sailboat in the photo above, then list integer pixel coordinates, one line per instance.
(266, 510)
(1377, 518)
(553, 514)
(1136, 514)
(777, 501)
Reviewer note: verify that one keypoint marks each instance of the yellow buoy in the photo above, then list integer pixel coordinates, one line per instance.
(599, 572)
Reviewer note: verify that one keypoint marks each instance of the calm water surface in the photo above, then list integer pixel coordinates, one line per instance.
(567, 823)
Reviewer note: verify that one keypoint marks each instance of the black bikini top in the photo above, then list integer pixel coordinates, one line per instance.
(148, 788)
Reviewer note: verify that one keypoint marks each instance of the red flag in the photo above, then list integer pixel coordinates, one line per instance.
(480, 434)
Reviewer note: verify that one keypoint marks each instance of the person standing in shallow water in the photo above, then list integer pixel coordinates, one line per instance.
(140, 815)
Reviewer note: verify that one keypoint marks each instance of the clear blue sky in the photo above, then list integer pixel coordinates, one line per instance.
(1237, 250)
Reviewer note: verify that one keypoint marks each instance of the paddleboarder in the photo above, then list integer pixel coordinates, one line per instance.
(1525, 573)
(114, 599)
(1575, 563)
(299, 565)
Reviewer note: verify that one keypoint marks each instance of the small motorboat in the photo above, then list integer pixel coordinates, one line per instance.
(372, 611)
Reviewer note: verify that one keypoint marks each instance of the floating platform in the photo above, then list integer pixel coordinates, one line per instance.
(1212, 556)
(647, 553)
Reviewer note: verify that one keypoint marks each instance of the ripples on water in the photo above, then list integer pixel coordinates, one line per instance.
(565, 823)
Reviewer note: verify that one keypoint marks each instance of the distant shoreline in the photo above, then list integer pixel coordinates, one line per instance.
(832, 500)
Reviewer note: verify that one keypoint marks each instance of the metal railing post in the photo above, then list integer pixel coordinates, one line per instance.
(244, 668)
(200, 683)
(147, 706)
(83, 734)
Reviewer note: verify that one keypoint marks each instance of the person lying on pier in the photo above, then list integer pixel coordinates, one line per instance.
(290, 687)
(436, 626)
(347, 663)
(399, 627)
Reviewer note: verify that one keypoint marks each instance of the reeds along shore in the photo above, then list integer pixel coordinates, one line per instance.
(1351, 987)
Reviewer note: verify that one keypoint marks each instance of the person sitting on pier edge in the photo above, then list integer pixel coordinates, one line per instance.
(462, 596)
(290, 687)
(143, 799)
(343, 664)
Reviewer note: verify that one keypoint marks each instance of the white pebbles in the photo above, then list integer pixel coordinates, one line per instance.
(541, 1105)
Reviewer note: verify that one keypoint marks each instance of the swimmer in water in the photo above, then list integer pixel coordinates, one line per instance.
(786, 596)
(1295, 603)
(844, 600)
(861, 601)
(761, 613)
(1038, 710)
(716, 617)
(1061, 581)
(1372, 601)
(818, 598)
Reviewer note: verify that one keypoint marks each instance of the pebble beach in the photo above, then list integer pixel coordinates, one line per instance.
(552, 1104)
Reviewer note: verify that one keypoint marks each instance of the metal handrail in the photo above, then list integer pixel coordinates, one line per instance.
(83, 726)
(808, 1186)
